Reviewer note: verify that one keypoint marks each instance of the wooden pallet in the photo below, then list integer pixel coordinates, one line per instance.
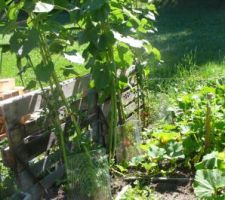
(8, 89)
(28, 130)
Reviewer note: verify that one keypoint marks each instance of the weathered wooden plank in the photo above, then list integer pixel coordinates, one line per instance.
(8, 158)
(33, 145)
(38, 168)
(35, 167)
(132, 117)
(36, 122)
(36, 190)
(79, 86)
(132, 108)
(128, 96)
(14, 108)
(7, 84)
(11, 93)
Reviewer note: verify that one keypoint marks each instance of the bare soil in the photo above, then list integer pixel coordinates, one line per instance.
(177, 187)
(174, 191)
(170, 189)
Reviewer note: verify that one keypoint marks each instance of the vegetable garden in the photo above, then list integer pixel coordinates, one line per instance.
(110, 130)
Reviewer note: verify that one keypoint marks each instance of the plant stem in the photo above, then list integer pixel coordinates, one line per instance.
(54, 118)
(47, 59)
(208, 125)
(59, 89)
(113, 118)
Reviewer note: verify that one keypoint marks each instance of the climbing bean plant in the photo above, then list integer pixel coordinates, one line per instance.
(115, 33)
(112, 35)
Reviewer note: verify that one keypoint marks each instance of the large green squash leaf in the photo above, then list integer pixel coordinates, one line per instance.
(174, 150)
(156, 152)
(208, 183)
(211, 161)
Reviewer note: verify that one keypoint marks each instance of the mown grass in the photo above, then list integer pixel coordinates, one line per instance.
(191, 39)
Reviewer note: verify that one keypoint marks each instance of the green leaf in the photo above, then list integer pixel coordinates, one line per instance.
(208, 183)
(148, 48)
(90, 34)
(149, 166)
(44, 72)
(151, 7)
(64, 5)
(56, 47)
(135, 161)
(156, 53)
(22, 43)
(68, 70)
(32, 84)
(41, 7)
(165, 137)
(16, 41)
(191, 146)
(210, 161)
(106, 40)
(123, 81)
(123, 56)
(117, 14)
(131, 16)
(13, 10)
(101, 14)
(174, 150)
(30, 42)
(121, 168)
(91, 5)
(2, 4)
(9, 27)
(147, 71)
(157, 153)
(101, 76)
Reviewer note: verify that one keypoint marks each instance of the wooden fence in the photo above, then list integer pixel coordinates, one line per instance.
(29, 132)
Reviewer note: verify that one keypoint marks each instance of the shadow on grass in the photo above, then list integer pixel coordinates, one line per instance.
(189, 31)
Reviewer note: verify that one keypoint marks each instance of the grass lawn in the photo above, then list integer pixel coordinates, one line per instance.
(191, 35)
